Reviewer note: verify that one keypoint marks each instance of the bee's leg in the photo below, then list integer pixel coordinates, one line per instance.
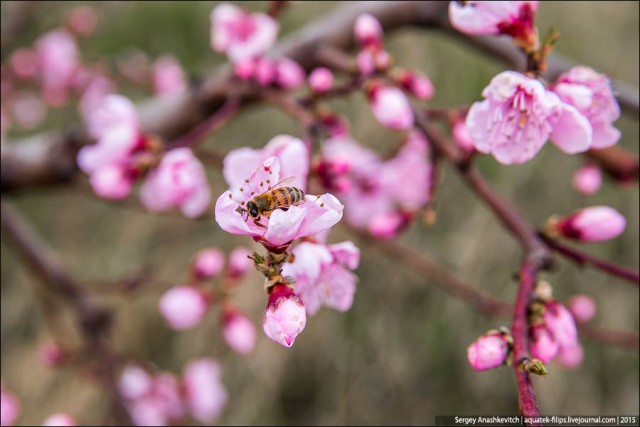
(255, 221)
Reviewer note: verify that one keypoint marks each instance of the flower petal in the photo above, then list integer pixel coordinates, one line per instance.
(571, 132)
(283, 225)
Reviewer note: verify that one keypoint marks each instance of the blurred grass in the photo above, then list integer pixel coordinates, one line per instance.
(398, 356)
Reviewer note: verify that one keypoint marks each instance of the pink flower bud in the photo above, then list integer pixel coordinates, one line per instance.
(208, 263)
(238, 331)
(24, 63)
(205, 395)
(59, 419)
(561, 324)
(488, 352)
(321, 79)
(289, 74)
(265, 71)
(582, 307)
(541, 343)
(285, 316)
(244, 68)
(588, 179)
(168, 76)
(461, 135)
(391, 107)
(50, 355)
(239, 262)
(571, 357)
(111, 182)
(183, 307)
(83, 20)
(10, 407)
(591, 224)
(415, 83)
(388, 225)
(135, 382)
(367, 30)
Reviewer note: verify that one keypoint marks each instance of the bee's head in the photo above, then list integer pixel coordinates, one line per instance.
(252, 209)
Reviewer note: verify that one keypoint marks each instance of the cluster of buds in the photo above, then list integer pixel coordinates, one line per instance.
(163, 398)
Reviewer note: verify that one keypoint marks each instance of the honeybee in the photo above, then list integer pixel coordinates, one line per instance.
(279, 196)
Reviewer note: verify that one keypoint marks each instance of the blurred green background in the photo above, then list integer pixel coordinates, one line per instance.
(399, 355)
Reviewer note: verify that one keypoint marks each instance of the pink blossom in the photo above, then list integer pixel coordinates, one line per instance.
(135, 67)
(111, 182)
(323, 276)
(241, 34)
(264, 71)
(10, 407)
(83, 20)
(160, 405)
(59, 419)
(519, 115)
(542, 344)
(238, 331)
(591, 94)
(582, 308)
(58, 59)
(289, 74)
(291, 152)
(461, 135)
(281, 227)
(179, 181)
(24, 63)
(561, 324)
(488, 352)
(51, 354)
(285, 316)
(168, 77)
(378, 195)
(205, 395)
(27, 109)
(571, 357)
(239, 262)
(135, 382)
(94, 93)
(183, 307)
(514, 18)
(367, 30)
(416, 83)
(208, 263)
(390, 107)
(592, 224)
(244, 68)
(366, 62)
(588, 179)
(320, 79)
(116, 111)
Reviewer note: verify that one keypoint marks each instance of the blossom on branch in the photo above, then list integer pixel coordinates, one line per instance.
(390, 106)
(592, 224)
(238, 331)
(517, 117)
(183, 307)
(488, 351)
(285, 316)
(514, 18)
(588, 179)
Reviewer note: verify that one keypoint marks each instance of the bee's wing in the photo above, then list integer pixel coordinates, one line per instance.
(284, 182)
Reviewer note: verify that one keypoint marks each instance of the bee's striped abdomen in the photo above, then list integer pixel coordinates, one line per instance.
(287, 196)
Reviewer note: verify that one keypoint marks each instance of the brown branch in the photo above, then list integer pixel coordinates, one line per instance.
(94, 320)
(619, 163)
(610, 336)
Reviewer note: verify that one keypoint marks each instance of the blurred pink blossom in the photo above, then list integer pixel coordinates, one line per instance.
(291, 152)
(24, 63)
(27, 109)
(160, 404)
(461, 135)
(289, 74)
(323, 274)
(179, 181)
(239, 262)
(390, 107)
(94, 92)
(285, 316)
(208, 263)
(542, 344)
(238, 331)
(83, 20)
(58, 60)
(367, 30)
(320, 79)
(281, 227)
(588, 179)
(168, 77)
(416, 83)
(59, 419)
(244, 68)
(183, 307)
(9, 407)
(561, 324)
(264, 71)
(488, 352)
(205, 395)
(517, 117)
(50, 354)
(515, 18)
(590, 92)
(134, 382)
(241, 34)
(111, 181)
(582, 308)
(592, 224)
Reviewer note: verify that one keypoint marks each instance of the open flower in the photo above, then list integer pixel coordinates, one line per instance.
(279, 228)
(518, 116)
(323, 274)
(590, 92)
(179, 181)
(168, 76)
(514, 18)
(241, 34)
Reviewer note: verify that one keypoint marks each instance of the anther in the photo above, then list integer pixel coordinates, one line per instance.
(246, 180)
